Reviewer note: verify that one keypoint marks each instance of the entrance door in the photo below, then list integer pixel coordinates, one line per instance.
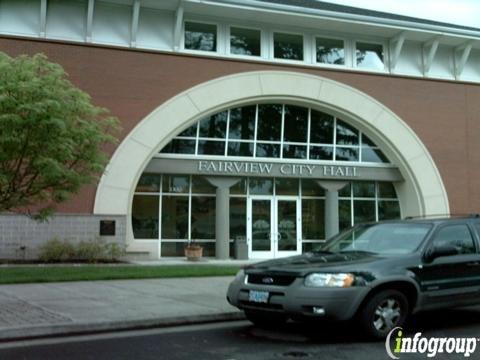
(273, 227)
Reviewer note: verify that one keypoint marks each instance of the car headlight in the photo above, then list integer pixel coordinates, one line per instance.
(240, 274)
(329, 280)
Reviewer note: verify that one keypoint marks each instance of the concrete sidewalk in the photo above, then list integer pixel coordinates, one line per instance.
(37, 310)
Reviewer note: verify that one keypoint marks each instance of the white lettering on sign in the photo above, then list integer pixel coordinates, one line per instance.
(339, 171)
(234, 167)
(275, 169)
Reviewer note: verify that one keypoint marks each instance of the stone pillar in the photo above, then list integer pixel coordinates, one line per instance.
(222, 215)
(331, 206)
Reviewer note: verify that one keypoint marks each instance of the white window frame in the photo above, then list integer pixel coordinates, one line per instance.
(345, 51)
(203, 52)
(287, 32)
(383, 43)
(248, 57)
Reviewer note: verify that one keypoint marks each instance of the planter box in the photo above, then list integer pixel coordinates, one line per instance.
(193, 252)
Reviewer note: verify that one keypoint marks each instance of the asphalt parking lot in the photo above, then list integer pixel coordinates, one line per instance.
(240, 340)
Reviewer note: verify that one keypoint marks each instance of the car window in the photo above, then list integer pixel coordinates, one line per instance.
(378, 238)
(458, 236)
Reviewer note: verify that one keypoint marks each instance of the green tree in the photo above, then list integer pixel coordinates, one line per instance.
(51, 136)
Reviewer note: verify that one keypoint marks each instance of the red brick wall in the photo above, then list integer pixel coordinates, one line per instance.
(445, 115)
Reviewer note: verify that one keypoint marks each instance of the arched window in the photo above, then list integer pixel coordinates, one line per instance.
(276, 130)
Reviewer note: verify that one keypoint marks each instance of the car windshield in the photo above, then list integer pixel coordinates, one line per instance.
(387, 238)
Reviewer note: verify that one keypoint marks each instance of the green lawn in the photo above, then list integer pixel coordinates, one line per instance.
(36, 274)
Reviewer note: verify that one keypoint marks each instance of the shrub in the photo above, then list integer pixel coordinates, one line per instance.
(55, 250)
(90, 251)
(114, 251)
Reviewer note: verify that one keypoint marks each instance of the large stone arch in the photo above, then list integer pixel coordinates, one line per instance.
(421, 193)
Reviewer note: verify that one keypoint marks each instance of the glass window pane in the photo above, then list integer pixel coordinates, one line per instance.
(309, 246)
(344, 214)
(211, 147)
(457, 236)
(286, 186)
(242, 123)
(287, 225)
(296, 124)
(148, 183)
(346, 154)
(175, 184)
(346, 134)
(200, 185)
(363, 211)
(370, 56)
(261, 225)
(386, 190)
(269, 122)
(240, 149)
(240, 188)
(145, 216)
(175, 217)
(260, 186)
(268, 150)
(321, 128)
(388, 210)
(214, 126)
(294, 151)
(288, 46)
(173, 248)
(179, 146)
(366, 141)
(346, 191)
(373, 155)
(321, 152)
(311, 188)
(330, 51)
(191, 131)
(313, 219)
(238, 218)
(203, 217)
(244, 41)
(363, 189)
(200, 36)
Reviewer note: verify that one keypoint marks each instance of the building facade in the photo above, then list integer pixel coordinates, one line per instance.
(257, 128)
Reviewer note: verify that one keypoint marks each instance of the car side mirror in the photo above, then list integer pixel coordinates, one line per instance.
(439, 251)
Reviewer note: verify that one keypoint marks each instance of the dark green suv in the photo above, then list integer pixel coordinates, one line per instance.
(377, 272)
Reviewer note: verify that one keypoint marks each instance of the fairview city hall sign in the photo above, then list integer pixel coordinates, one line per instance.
(171, 165)
(256, 168)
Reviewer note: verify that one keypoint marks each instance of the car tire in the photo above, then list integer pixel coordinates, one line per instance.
(265, 319)
(383, 312)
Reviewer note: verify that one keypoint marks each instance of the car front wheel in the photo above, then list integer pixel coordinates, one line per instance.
(383, 312)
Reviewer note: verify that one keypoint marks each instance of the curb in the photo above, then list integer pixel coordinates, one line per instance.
(46, 331)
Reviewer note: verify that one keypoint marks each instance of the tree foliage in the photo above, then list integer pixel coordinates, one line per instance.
(51, 135)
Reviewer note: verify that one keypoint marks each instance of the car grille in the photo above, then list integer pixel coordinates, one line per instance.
(265, 279)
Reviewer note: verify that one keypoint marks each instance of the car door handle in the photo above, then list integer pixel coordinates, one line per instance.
(473, 263)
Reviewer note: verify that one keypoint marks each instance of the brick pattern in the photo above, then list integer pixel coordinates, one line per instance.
(20, 236)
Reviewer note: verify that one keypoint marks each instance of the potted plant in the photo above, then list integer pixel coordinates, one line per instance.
(193, 251)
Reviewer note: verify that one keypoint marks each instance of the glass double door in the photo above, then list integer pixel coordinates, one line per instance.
(273, 227)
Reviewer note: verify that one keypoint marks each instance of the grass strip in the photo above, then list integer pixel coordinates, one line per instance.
(39, 274)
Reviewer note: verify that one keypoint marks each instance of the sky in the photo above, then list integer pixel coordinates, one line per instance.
(460, 12)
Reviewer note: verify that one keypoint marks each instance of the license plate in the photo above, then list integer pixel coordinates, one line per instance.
(258, 296)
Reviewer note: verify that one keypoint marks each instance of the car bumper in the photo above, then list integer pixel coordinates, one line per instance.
(297, 300)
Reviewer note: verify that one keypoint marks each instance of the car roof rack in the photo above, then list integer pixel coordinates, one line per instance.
(471, 215)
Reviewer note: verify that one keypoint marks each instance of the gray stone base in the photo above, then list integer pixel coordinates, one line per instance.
(20, 236)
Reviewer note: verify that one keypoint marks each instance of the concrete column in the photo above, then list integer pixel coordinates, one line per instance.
(331, 206)
(222, 215)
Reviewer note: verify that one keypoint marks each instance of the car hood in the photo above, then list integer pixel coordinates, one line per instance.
(309, 262)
